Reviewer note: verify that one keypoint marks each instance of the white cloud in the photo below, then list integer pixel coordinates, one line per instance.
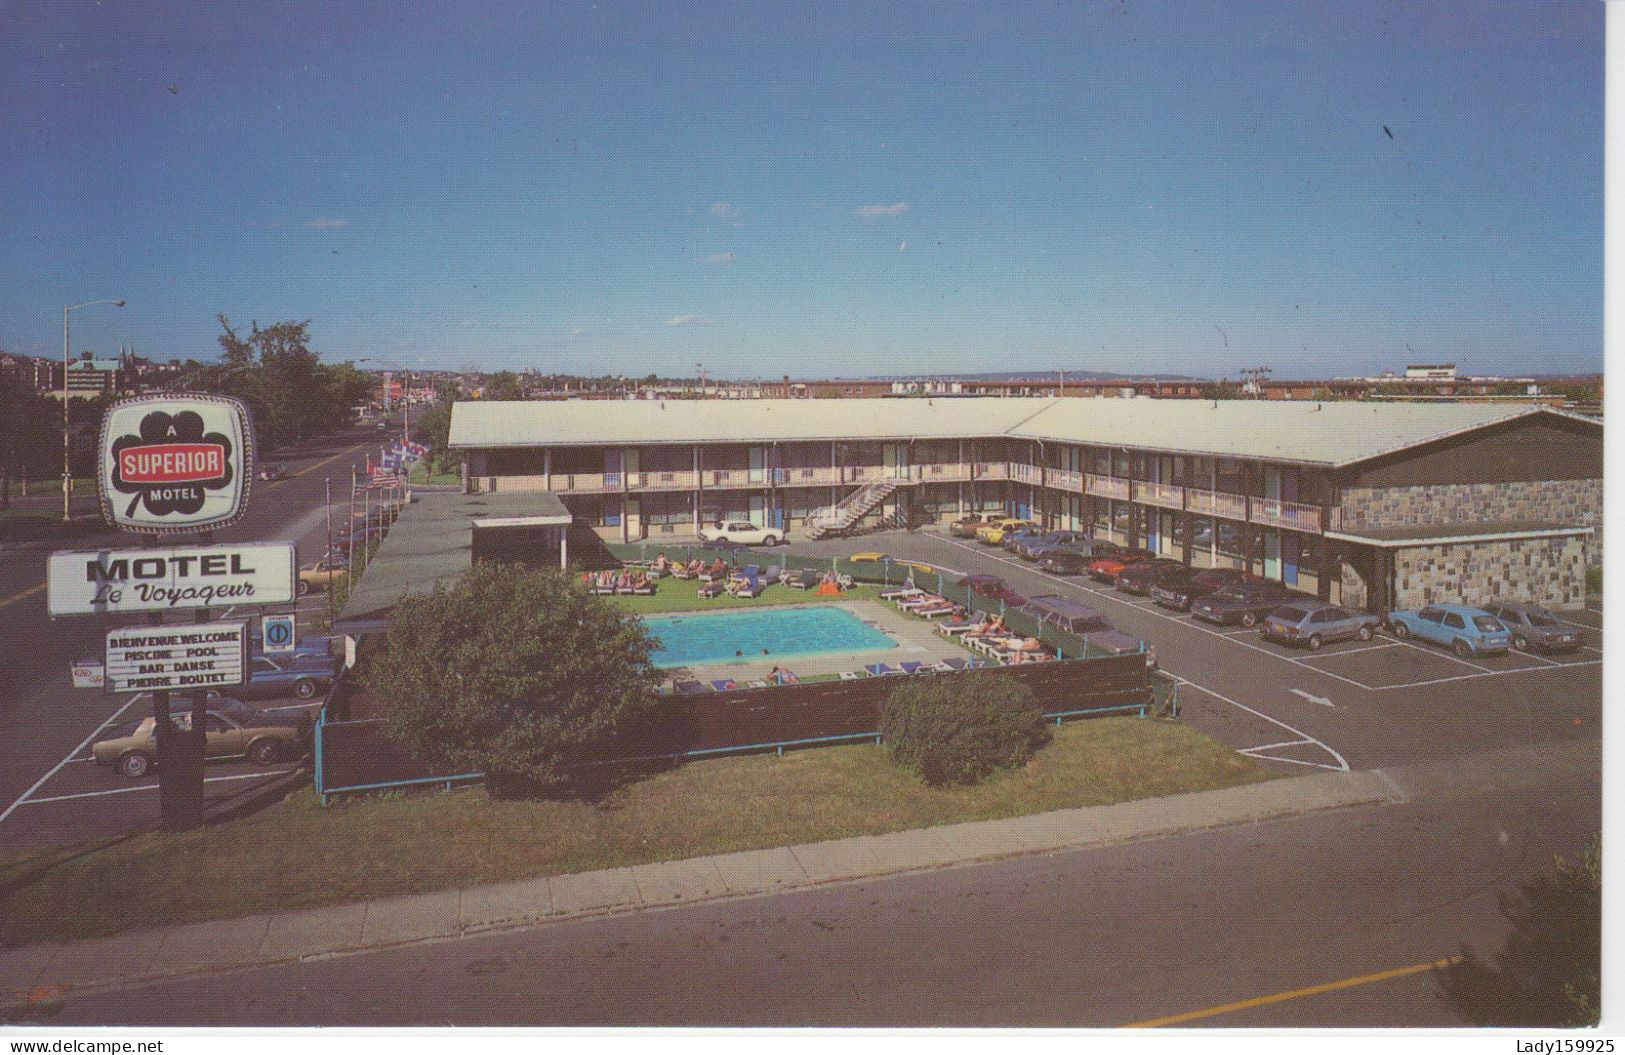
(875, 212)
(730, 213)
(716, 258)
(327, 223)
(688, 320)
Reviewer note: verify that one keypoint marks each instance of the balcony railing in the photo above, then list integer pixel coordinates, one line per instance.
(805, 476)
(1065, 479)
(580, 483)
(1106, 486)
(941, 472)
(1295, 516)
(990, 471)
(732, 477)
(1215, 504)
(680, 480)
(1021, 472)
(1169, 496)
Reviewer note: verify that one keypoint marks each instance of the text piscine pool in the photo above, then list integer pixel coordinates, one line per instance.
(714, 637)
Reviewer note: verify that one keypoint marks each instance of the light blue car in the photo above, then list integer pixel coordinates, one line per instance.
(1465, 630)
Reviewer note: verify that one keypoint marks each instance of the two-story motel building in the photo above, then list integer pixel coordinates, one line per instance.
(1373, 505)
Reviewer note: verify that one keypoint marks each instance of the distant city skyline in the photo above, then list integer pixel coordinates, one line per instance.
(1180, 188)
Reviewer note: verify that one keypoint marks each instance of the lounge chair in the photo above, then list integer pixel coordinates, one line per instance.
(805, 579)
(954, 663)
(773, 574)
(683, 571)
(877, 670)
(962, 626)
(689, 688)
(946, 608)
(746, 586)
(920, 600)
(897, 593)
(711, 573)
(911, 666)
(714, 588)
(724, 684)
(643, 587)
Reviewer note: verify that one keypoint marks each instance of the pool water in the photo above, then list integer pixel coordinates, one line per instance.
(715, 637)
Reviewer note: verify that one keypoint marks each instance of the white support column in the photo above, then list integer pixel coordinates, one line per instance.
(564, 547)
(547, 469)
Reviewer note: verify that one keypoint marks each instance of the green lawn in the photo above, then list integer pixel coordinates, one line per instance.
(297, 853)
(420, 474)
(683, 595)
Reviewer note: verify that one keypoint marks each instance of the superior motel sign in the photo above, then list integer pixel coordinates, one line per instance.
(175, 462)
(185, 656)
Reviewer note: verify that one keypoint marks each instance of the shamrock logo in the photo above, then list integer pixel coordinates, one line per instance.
(172, 465)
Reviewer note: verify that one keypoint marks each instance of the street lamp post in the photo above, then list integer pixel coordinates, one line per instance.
(67, 431)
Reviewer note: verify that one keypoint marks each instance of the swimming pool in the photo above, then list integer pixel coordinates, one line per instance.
(714, 637)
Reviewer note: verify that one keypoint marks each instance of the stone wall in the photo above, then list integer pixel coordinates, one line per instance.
(1567, 502)
(1547, 571)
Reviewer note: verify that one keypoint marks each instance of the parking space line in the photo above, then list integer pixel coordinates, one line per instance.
(1441, 654)
(1294, 761)
(1342, 762)
(66, 759)
(1271, 747)
(1489, 674)
(150, 787)
(1345, 652)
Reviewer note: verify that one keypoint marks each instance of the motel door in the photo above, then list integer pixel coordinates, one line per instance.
(758, 466)
(1272, 538)
(758, 510)
(612, 470)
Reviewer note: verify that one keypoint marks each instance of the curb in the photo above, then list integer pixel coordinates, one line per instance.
(36, 977)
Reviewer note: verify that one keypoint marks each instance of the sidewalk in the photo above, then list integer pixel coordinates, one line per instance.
(41, 974)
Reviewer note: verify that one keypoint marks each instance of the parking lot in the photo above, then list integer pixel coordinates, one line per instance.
(76, 799)
(1353, 704)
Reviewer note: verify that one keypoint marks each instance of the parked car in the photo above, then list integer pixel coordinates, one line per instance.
(322, 574)
(1245, 602)
(1021, 536)
(1106, 568)
(1067, 614)
(992, 533)
(1181, 594)
(1139, 578)
(1058, 560)
(1313, 625)
(1465, 630)
(1029, 549)
(273, 471)
(235, 730)
(300, 674)
(994, 587)
(965, 526)
(742, 532)
(1533, 627)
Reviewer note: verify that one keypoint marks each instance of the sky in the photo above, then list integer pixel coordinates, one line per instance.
(817, 190)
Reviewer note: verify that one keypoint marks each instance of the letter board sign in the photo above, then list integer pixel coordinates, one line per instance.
(111, 581)
(182, 656)
(175, 462)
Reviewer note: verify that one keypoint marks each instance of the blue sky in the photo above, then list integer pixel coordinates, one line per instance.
(813, 189)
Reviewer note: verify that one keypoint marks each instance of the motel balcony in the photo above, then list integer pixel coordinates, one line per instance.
(1023, 473)
(682, 480)
(1215, 504)
(1168, 496)
(1065, 479)
(1106, 486)
(1294, 516)
(990, 471)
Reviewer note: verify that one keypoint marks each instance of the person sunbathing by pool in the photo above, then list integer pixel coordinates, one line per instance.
(661, 564)
(781, 676)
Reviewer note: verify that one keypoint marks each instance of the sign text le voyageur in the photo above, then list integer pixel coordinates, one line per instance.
(97, 582)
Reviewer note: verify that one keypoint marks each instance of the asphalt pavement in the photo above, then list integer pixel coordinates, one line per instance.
(1329, 919)
(48, 792)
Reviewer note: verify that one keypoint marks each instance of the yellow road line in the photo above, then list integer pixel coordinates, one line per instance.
(352, 452)
(1293, 994)
(31, 591)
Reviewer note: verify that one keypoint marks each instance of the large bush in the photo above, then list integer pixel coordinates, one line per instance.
(1549, 970)
(514, 672)
(957, 729)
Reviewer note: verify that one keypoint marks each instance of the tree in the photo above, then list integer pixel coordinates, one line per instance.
(504, 385)
(515, 672)
(958, 730)
(1548, 971)
(433, 429)
(30, 434)
(1221, 390)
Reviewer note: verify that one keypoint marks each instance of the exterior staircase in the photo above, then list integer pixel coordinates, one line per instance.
(839, 519)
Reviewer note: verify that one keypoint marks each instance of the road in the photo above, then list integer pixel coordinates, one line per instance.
(1176, 928)
(48, 723)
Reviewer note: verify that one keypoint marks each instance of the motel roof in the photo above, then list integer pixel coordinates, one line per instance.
(1326, 434)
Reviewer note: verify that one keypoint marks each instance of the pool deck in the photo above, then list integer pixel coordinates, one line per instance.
(916, 639)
